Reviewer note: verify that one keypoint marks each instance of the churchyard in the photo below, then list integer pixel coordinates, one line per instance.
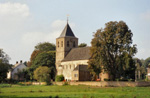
(68, 91)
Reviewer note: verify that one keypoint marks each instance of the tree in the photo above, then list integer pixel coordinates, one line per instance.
(82, 45)
(139, 68)
(42, 74)
(33, 55)
(46, 46)
(112, 51)
(41, 47)
(42, 52)
(4, 57)
(146, 63)
(4, 65)
(45, 59)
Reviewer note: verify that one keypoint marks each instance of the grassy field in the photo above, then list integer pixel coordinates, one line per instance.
(81, 91)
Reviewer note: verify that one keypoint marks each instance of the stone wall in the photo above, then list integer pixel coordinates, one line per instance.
(108, 84)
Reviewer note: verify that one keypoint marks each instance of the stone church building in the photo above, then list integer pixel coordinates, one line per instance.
(71, 60)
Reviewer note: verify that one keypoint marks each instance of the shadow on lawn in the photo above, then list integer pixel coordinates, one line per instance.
(30, 97)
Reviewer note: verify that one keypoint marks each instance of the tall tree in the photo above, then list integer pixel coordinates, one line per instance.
(112, 50)
(4, 57)
(140, 68)
(41, 47)
(45, 59)
(146, 63)
(43, 55)
(46, 46)
(4, 65)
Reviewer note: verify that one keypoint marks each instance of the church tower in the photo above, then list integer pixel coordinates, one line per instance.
(64, 43)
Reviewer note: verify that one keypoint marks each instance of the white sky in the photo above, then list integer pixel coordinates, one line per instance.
(24, 23)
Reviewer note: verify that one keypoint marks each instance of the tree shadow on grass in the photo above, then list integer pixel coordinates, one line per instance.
(30, 97)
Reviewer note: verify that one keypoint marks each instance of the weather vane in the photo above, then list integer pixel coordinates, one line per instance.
(67, 18)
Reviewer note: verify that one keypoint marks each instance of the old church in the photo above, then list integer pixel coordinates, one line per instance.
(71, 60)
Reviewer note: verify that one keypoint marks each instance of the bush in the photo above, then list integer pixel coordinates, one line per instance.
(130, 80)
(146, 79)
(65, 83)
(124, 79)
(106, 79)
(59, 78)
(42, 74)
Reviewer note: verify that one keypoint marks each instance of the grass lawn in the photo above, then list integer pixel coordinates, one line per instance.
(81, 91)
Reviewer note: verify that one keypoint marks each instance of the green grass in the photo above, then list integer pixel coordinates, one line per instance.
(81, 91)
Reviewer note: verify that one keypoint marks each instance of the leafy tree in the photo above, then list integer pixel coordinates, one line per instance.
(4, 57)
(43, 55)
(45, 59)
(41, 47)
(82, 45)
(4, 65)
(42, 73)
(46, 46)
(29, 75)
(146, 63)
(112, 51)
(140, 67)
(33, 55)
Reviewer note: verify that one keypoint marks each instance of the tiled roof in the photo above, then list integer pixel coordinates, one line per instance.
(67, 32)
(82, 53)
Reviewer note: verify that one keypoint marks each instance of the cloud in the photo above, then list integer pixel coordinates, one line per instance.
(12, 17)
(146, 15)
(14, 10)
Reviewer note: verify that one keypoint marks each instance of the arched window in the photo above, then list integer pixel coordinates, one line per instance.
(61, 43)
(74, 44)
(58, 44)
(67, 43)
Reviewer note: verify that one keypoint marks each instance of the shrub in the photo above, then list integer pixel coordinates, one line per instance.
(59, 78)
(146, 79)
(123, 79)
(106, 79)
(42, 74)
(65, 83)
(130, 80)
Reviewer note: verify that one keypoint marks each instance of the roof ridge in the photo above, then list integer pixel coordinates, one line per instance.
(81, 47)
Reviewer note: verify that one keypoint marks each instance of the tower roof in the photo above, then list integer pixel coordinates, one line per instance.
(67, 32)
